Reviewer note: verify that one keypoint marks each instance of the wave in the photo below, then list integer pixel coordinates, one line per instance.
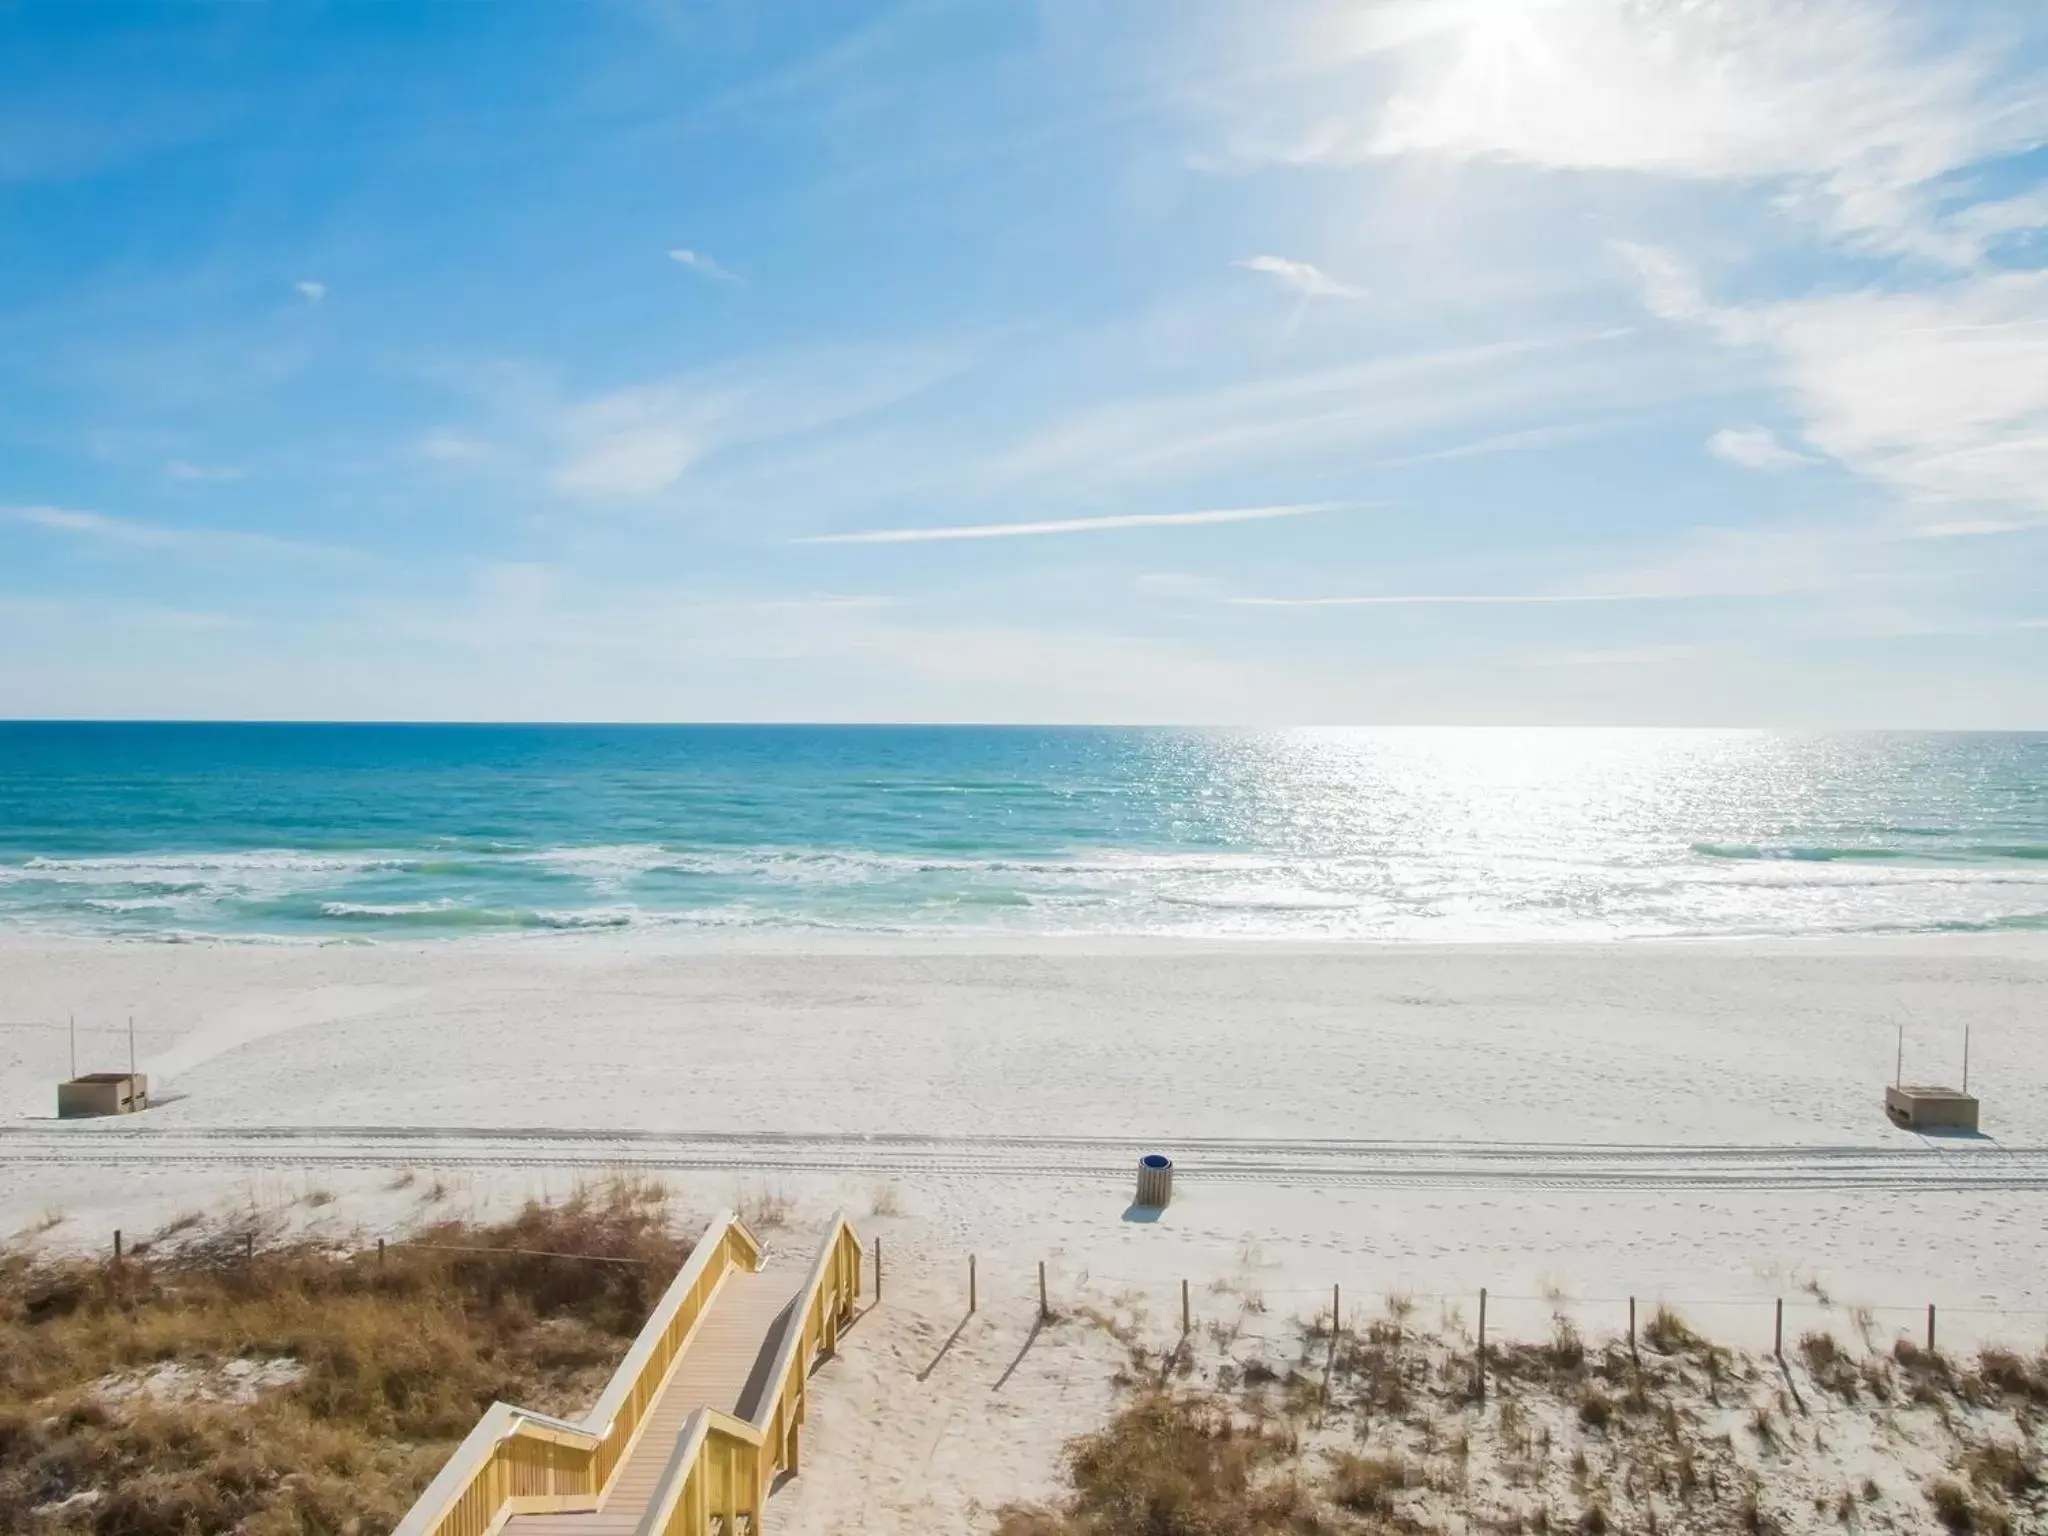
(451, 913)
(1824, 854)
(104, 866)
(1512, 885)
(371, 909)
(1803, 855)
(1256, 900)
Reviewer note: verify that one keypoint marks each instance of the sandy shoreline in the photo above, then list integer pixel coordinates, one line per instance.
(1416, 1117)
(1568, 1125)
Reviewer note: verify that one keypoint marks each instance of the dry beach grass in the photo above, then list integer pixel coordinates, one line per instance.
(1382, 1432)
(227, 1377)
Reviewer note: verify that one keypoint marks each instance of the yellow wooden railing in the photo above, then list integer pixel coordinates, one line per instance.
(719, 1477)
(517, 1461)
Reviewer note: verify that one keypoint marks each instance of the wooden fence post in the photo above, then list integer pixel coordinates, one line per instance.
(1187, 1325)
(1930, 1327)
(1633, 1356)
(1044, 1306)
(1778, 1333)
(973, 1292)
(878, 1269)
(248, 1249)
(380, 1255)
(1482, 1344)
(1336, 1322)
(117, 1245)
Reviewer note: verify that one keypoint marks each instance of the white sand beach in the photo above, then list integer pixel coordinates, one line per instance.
(1568, 1126)
(1698, 1117)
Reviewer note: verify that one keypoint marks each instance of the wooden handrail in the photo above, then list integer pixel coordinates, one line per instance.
(519, 1461)
(723, 1466)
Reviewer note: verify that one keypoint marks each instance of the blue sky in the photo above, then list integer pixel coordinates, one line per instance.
(1603, 361)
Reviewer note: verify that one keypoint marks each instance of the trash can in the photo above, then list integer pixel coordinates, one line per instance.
(1155, 1179)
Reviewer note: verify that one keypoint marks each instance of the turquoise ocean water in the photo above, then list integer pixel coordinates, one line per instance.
(376, 832)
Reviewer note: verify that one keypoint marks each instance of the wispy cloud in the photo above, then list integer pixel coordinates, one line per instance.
(111, 615)
(1941, 395)
(1858, 108)
(1671, 290)
(1477, 599)
(635, 442)
(638, 442)
(131, 533)
(178, 469)
(1754, 448)
(1527, 440)
(1286, 419)
(1310, 281)
(445, 445)
(697, 261)
(1073, 525)
(311, 291)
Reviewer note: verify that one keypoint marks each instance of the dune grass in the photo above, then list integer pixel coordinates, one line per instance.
(384, 1365)
(1383, 1432)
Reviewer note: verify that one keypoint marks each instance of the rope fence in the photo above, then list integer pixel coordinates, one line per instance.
(1332, 1311)
(1185, 1291)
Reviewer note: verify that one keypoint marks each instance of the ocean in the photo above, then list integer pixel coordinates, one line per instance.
(343, 832)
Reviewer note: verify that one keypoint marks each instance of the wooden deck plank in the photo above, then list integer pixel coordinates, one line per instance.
(722, 1367)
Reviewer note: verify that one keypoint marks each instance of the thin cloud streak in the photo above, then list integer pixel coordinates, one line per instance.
(1481, 599)
(697, 261)
(1304, 278)
(129, 533)
(1075, 525)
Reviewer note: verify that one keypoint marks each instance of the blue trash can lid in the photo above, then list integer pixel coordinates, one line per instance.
(1157, 1160)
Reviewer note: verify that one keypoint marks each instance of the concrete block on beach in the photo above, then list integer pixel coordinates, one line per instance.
(102, 1093)
(1923, 1108)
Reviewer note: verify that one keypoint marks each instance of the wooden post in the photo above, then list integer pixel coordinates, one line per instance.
(117, 1245)
(1966, 1058)
(380, 1255)
(1482, 1343)
(1633, 1356)
(249, 1248)
(1044, 1307)
(131, 1046)
(1336, 1313)
(1930, 1327)
(74, 1046)
(878, 1269)
(1187, 1325)
(1778, 1333)
(973, 1293)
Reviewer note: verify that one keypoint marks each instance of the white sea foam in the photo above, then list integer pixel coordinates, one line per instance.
(1457, 891)
(387, 909)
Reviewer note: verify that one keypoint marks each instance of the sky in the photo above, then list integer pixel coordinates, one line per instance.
(1240, 361)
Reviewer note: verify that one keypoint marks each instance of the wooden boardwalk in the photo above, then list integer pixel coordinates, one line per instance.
(724, 1366)
(700, 1419)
